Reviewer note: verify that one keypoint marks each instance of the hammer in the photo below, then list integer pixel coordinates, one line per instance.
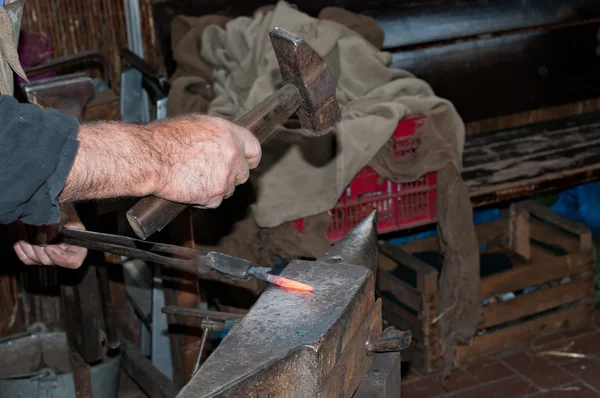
(309, 91)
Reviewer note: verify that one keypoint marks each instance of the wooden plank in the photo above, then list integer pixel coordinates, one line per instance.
(528, 70)
(572, 227)
(427, 276)
(82, 377)
(523, 141)
(489, 232)
(534, 116)
(513, 159)
(537, 302)
(422, 245)
(82, 310)
(549, 235)
(384, 263)
(492, 232)
(403, 292)
(11, 308)
(355, 361)
(577, 316)
(401, 319)
(535, 274)
(501, 166)
(547, 215)
(551, 181)
(154, 383)
(518, 232)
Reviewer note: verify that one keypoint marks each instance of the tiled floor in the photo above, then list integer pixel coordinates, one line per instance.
(536, 372)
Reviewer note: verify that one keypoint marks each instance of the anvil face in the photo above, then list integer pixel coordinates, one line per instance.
(287, 345)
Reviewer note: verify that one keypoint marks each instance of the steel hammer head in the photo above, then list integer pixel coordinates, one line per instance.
(303, 67)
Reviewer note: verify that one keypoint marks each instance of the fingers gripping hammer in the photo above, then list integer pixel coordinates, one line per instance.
(309, 91)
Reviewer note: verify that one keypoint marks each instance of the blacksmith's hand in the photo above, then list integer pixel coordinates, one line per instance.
(34, 245)
(193, 159)
(214, 157)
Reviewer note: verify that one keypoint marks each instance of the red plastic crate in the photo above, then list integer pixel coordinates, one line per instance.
(399, 206)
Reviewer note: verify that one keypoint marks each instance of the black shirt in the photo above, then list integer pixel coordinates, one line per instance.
(37, 150)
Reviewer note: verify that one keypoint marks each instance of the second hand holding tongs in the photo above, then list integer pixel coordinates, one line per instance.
(189, 260)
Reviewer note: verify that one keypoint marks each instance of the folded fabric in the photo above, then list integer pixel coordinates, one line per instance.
(372, 97)
(10, 24)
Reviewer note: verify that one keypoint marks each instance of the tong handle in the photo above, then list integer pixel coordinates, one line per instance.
(194, 261)
(128, 247)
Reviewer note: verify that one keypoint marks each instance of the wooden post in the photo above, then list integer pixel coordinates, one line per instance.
(182, 291)
(518, 231)
(562, 223)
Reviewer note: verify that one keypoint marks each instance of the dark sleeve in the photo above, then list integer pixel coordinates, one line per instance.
(37, 150)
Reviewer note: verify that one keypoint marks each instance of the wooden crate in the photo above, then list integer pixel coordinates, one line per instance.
(545, 250)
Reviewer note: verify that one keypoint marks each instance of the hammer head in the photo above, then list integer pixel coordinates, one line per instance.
(303, 67)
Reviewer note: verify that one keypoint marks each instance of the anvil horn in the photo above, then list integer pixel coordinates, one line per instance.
(358, 247)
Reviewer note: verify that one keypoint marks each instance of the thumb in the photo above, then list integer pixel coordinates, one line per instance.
(48, 233)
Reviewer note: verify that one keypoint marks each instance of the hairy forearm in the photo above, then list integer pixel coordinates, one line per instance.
(193, 159)
(113, 160)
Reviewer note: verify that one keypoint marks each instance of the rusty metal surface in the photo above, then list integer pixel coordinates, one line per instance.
(69, 94)
(358, 247)
(289, 343)
(289, 338)
(391, 340)
(303, 67)
(105, 105)
(356, 359)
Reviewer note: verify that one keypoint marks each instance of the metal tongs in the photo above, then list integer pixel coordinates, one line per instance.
(188, 260)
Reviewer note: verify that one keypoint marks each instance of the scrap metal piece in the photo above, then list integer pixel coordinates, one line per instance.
(391, 340)
(290, 342)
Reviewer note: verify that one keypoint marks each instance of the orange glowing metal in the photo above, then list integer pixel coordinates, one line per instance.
(289, 284)
(262, 273)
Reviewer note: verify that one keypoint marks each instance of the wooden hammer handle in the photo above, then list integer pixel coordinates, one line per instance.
(152, 214)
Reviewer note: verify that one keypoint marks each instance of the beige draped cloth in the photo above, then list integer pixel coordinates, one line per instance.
(10, 25)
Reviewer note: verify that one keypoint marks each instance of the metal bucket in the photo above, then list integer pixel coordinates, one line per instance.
(36, 364)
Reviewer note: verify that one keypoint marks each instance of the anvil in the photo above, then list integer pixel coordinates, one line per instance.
(295, 344)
